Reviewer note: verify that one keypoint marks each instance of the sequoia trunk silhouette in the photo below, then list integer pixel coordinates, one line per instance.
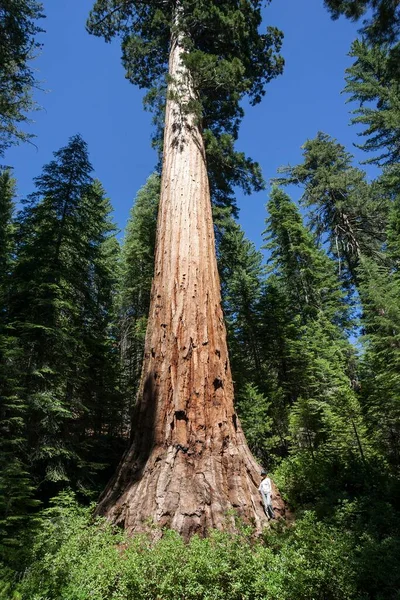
(188, 463)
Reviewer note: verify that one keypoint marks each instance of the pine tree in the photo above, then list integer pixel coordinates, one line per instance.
(137, 274)
(252, 325)
(350, 213)
(329, 447)
(18, 45)
(16, 487)
(189, 463)
(383, 17)
(309, 275)
(379, 292)
(393, 234)
(325, 425)
(7, 192)
(43, 303)
(101, 432)
(373, 85)
(240, 268)
(61, 296)
(277, 329)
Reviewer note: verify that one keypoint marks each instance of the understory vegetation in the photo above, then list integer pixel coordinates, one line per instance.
(76, 556)
(313, 334)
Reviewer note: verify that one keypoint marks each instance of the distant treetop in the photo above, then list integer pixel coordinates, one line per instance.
(382, 17)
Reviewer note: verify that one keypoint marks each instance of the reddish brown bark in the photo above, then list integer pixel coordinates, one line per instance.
(189, 463)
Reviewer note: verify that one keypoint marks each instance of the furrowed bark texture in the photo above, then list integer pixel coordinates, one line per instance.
(189, 463)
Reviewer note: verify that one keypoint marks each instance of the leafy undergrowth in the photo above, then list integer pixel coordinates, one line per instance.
(74, 557)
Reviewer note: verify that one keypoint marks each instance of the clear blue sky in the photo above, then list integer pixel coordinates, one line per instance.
(86, 93)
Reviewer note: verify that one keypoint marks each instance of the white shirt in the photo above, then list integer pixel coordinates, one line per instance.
(265, 486)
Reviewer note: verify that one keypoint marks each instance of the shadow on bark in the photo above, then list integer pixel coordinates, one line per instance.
(134, 460)
(143, 421)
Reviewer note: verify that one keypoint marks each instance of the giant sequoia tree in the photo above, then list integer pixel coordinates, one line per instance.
(189, 463)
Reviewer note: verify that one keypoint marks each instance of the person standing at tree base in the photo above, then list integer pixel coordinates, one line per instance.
(265, 490)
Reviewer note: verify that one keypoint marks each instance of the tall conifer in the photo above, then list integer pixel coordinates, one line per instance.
(325, 422)
(345, 212)
(213, 55)
(16, 488)
(241, 271)
(380, 293)
(61, 294)
(18, 45)
(381, 18)
(136, 277)
(374, 86)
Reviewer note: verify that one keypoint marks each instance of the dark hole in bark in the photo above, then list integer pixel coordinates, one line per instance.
(153, 352)
(218, 383)
(234, 421)
(180, 415)
(218, 353)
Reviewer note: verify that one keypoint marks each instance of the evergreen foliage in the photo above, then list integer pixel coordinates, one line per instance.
(308, 274)
(74, 557)
(324, 423)
(7, 192)
(393, 232)
(137, 268)
(321, 416)
(18, 45)
(16, 488)
(345, 209)
(240, 268)
(228, 60)
(372, 83)
(62, 291)
(380, 292)
(383, 17)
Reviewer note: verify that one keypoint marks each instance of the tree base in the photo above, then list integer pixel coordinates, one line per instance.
(189, 490)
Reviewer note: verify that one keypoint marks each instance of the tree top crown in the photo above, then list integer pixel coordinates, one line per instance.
(226, 53)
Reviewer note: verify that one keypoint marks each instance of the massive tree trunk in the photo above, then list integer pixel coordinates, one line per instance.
(188, 465)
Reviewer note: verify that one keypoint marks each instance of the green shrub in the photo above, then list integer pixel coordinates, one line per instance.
(77, 557)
